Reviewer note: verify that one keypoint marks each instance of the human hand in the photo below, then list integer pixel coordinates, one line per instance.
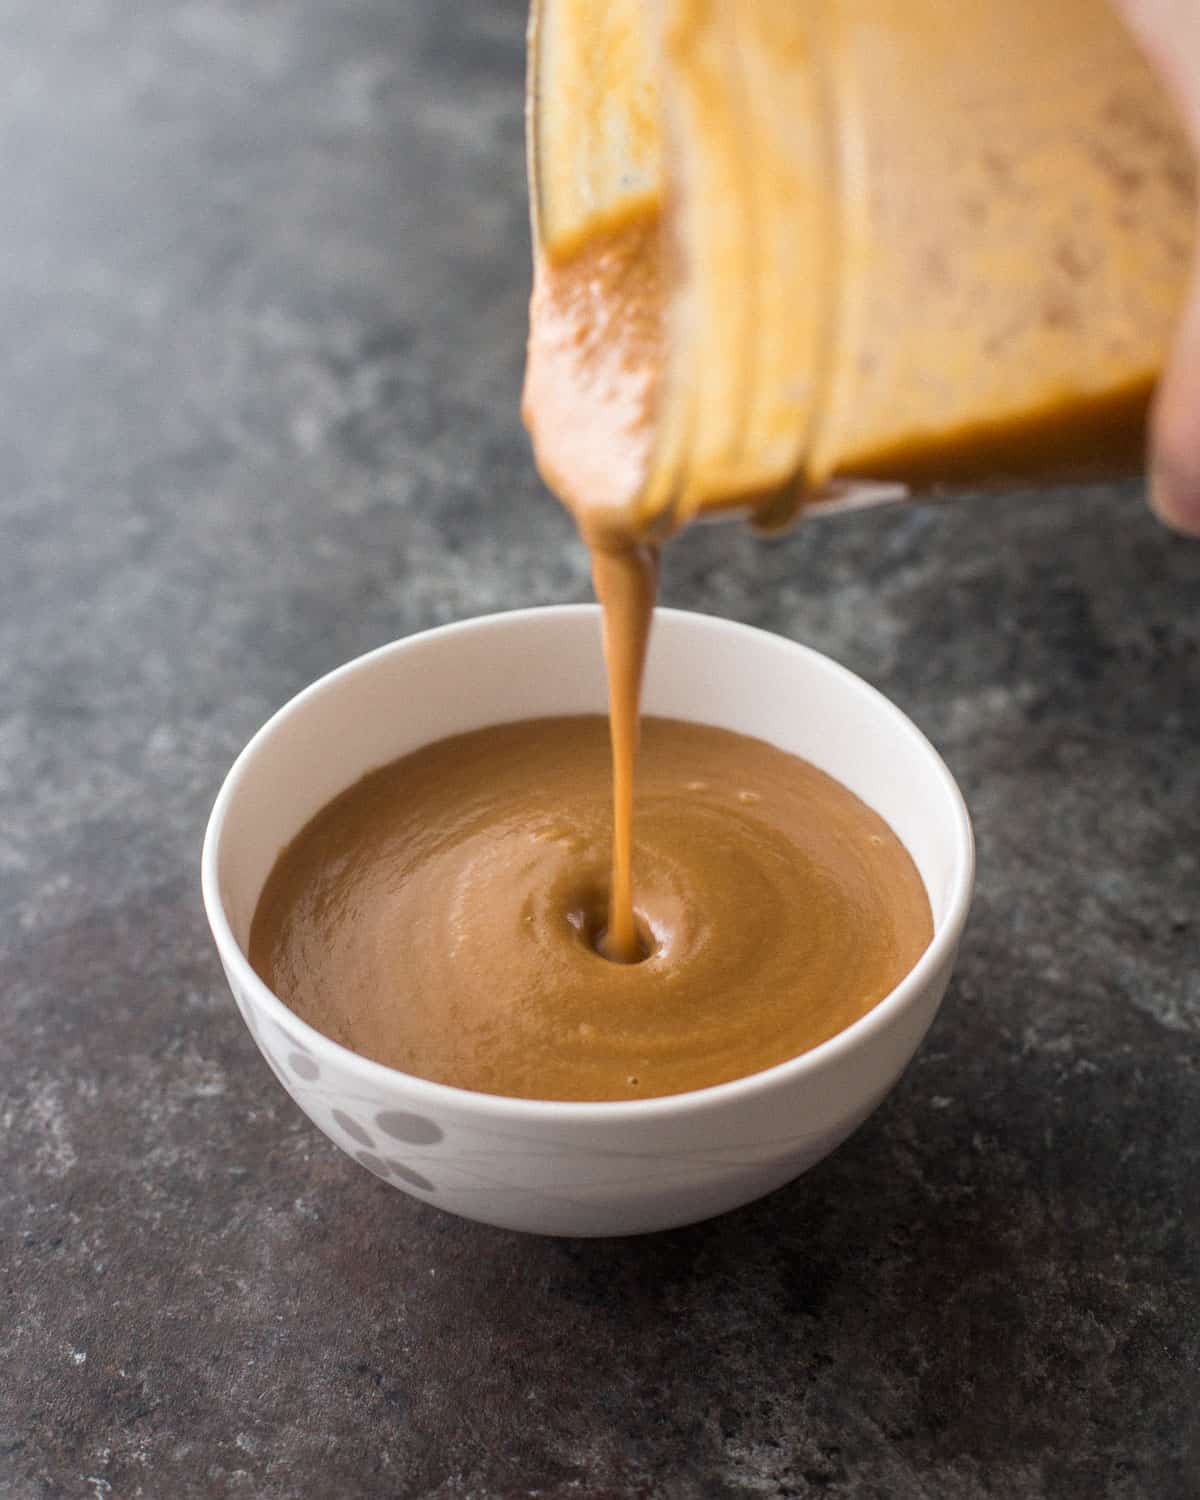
(1170, 32)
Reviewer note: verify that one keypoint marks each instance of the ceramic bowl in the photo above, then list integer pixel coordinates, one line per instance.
(563, 1168)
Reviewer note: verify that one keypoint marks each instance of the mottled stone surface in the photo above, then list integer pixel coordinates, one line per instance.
(262, 274)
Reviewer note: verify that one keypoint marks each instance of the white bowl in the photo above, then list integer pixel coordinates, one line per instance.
(564, 1168)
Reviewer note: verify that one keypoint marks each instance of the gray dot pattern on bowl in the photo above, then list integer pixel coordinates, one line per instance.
(303, 1066)
(416, 1130)
(390, 1170)
(352, 1128)
(406, 1174)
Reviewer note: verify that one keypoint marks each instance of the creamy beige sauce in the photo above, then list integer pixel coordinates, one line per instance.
(596, 351)
(442, 915)
(597, 348)
(626, 581)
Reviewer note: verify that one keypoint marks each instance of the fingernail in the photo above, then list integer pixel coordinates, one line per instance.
(1174, 495)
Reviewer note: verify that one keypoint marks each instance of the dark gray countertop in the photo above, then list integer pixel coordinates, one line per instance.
(262, 281)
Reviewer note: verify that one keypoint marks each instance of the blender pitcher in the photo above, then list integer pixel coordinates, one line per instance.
(905, 244)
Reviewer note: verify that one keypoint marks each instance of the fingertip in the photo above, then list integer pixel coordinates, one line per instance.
(1174, 495)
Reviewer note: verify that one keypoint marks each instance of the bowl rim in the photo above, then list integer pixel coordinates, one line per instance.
(610, 1112)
